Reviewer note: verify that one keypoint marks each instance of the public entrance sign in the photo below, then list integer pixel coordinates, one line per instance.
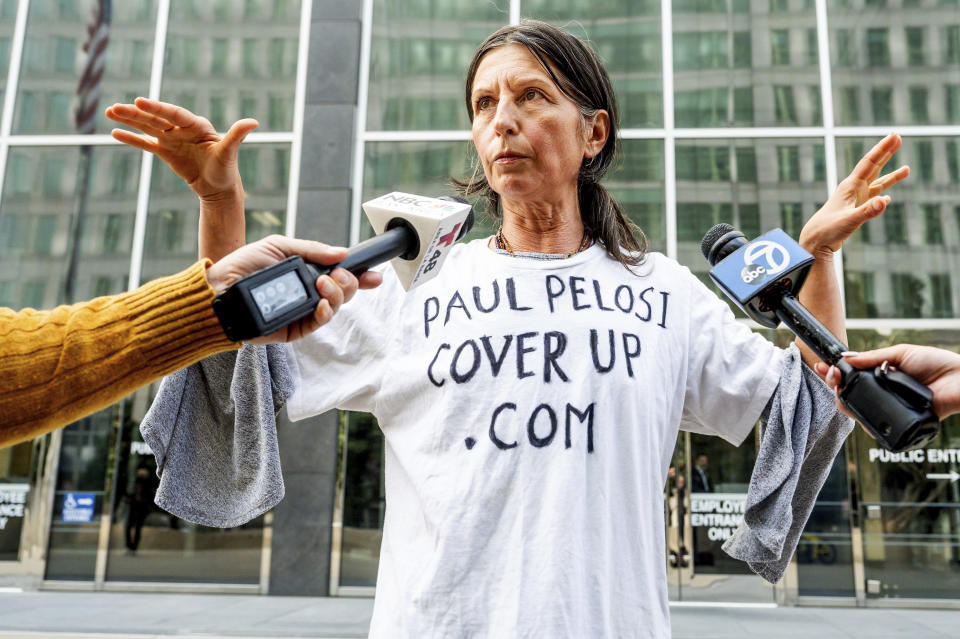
(13, 498)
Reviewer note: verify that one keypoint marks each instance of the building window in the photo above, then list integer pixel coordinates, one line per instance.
(699, 50)
(951, 39)
(44, 227)
(60, 111)
(918, 105)
(816, 104)
(849, 105)
(844, 45)
(915, 57)
(882, 100)
(251, 57)
(788, 164)
(941, 295)
(743, 106)
(113, 232)
(218, 112)
(785, 110)
(218, 56)
(813, 55)
(952, 94)
(703, 107)
(53, 170)
(703, 163)
(860, 293)
(746, 164)
(907, 295)
(894, 224)
(700, 217)
(33, 293)
(780, 47)
(742, 50)
(820, 164)
(791, 218)
(953, 161)
(878, 48)
(924, 154)
(750, 219)
(102, 285)
(65, 53)
(932, 225)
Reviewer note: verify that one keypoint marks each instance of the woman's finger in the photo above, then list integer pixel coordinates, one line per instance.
(175, 114)
(137, 124)
(883, 183)
(235, 136)
(869, 166)
(136, 114)
(885, 150)
(869, 210)
(868, 359)
(134, 140)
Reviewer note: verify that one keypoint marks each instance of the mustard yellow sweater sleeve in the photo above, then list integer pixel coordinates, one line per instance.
(57, 366)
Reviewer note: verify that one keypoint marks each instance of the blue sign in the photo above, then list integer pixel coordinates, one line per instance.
(753, 266)
(78, 507)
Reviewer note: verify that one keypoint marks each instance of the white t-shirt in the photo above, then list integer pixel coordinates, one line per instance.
(530, 410)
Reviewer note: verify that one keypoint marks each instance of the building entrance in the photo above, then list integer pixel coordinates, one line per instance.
(706, 492)
(910, 514)
(105, 527)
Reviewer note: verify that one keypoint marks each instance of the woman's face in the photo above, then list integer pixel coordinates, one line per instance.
(530, 137)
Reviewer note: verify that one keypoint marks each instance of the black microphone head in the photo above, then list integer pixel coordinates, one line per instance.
(467, 223)
(718, 242)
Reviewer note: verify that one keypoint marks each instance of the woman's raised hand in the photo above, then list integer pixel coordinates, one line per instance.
(187, 142)
(856, 200)
(195, 151)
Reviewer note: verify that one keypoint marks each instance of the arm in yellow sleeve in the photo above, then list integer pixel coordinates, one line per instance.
(57, 366)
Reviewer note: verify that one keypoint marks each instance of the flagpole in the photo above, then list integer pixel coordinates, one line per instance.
(85, 117)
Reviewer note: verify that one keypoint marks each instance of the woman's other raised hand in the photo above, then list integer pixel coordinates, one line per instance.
(856, 200)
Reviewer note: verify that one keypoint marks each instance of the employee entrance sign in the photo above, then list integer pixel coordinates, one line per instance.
(13, 499)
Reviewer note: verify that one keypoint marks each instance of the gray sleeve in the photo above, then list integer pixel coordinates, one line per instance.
(212, 428)
(804, 432)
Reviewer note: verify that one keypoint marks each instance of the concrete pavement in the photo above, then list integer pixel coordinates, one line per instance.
(110, 615)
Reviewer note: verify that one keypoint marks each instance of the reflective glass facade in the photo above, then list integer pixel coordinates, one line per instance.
(82, 216)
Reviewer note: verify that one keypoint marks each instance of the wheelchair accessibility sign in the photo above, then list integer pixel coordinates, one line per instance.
(78, 507)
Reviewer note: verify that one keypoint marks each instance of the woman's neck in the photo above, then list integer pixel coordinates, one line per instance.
(542, 228)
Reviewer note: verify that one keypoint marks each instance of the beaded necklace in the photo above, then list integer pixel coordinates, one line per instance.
(504, 245)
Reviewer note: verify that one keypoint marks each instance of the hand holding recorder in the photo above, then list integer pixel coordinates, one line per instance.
(763, 278)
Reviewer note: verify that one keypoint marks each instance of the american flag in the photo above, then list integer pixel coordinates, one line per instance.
(88, 90)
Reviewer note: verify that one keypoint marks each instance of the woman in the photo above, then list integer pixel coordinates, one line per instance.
(530, 395)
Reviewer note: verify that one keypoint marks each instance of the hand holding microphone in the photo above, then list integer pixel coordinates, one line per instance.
(416, 233)
(938, 368)
(763, 277)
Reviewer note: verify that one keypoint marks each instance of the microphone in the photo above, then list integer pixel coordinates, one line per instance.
(763, 277)
(415, 232)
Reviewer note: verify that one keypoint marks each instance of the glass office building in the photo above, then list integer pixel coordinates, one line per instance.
(741, 111)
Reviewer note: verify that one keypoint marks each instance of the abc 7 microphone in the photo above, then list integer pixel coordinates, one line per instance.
(763, 277)
(415, 232)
